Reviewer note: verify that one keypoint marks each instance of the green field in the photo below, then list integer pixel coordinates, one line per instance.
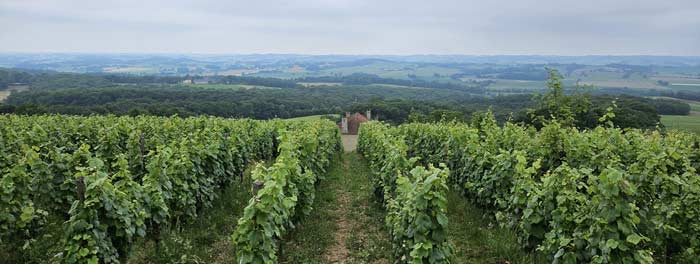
(695, 107)
(313, 117)
(685, 87)
(219, 86)
(396, 70)
(690, 123)
(595, 78)
(131, 70)
(501, 85)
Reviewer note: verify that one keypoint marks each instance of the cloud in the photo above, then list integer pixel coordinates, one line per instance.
(353, 26)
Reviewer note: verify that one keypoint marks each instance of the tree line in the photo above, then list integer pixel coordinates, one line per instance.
(86, 94)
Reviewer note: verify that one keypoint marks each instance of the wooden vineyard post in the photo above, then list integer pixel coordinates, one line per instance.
(80, 188)
(257, 185)
(142, 148)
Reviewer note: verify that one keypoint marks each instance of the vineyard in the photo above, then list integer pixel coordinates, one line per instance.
(597, 196)
(415, 197)
(83, 189)
(97, 189)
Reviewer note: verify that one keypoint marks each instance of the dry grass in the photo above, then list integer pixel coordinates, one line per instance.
(338, 252)
(4, 94)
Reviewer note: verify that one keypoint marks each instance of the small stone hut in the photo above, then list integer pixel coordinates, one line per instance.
(350, 124)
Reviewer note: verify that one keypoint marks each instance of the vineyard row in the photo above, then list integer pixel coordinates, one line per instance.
(107, 180)
(605, 195)
(415, 197)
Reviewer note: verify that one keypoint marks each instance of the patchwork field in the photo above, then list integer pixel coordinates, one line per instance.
(690, 123)
(238, 72)
(228, 86)
(625, 83)
(517, 84)
(685, 79)
(395, 70)
(138, 70)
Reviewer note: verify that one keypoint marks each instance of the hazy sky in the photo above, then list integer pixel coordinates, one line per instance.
(561, 27)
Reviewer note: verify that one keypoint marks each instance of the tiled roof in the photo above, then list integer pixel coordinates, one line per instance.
(357, 117)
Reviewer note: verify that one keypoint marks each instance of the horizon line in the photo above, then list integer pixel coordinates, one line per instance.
(346, 54)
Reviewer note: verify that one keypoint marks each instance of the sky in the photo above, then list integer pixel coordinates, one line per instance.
(484, 27)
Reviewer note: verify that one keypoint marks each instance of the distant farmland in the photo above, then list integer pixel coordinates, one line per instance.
(690, 123)
(6, 93)
(220, 86)
(238, 72)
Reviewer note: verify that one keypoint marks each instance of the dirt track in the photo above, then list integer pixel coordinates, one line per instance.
(349, 142)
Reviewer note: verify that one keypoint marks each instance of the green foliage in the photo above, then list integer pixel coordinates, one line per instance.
(85, 94)
(113, 179)
(288, 190)
(597, 196)
(445, 116)
(670, 107)
(577, 108)
(386, 155)
(630, 112)
(556, 105)
(416, 197)
(105, 217)
(418, 217)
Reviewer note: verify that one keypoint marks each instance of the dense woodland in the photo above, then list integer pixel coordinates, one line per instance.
(391, 101)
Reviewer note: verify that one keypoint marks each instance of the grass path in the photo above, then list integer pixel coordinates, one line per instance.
(203, 240)
(346, 225)
(478, 238)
